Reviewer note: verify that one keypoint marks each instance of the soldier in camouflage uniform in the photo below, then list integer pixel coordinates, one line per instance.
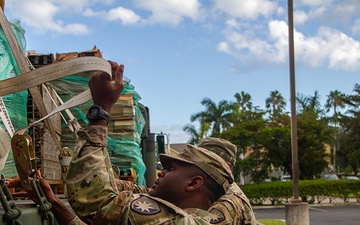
(233, 207)
(187, 186)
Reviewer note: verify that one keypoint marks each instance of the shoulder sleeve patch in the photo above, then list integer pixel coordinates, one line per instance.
(145, 206)
(216, 216)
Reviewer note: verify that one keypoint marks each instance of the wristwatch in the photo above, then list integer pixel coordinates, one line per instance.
(96, 113)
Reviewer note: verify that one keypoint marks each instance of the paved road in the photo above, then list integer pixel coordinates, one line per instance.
(319, 215)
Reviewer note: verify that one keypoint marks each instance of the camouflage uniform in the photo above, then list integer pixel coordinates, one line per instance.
(124, 185)
(93, 192)
(233, 207)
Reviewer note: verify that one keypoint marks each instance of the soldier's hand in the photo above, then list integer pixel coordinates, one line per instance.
(45, 186)
(49, 194)
(106, 90)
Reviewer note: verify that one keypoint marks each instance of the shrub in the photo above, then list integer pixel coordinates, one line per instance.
(311, 191)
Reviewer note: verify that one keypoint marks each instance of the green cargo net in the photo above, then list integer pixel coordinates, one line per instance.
(123, 143)
(15, 103)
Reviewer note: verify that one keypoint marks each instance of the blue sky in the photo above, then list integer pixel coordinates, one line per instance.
(177, 52)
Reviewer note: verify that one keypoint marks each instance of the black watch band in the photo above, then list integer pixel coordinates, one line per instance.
(96, 113)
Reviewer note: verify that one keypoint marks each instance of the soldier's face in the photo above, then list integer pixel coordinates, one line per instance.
(172, 181)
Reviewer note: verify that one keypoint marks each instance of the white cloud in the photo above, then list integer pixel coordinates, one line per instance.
(318, 12)
(278, 31)
(349, 7)
(300, 17)
(330, 46)
(344, 51)
(125, 16)
(171, 12)
(233, 23)
(281, 11)
(224, 47)
(309, 50)
(249, 9)
(265, 40)
(40, 15)
(331, 11)
(246, 46)
(74, 28)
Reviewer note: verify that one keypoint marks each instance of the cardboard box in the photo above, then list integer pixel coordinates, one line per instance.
(122, 112)
(121, 126)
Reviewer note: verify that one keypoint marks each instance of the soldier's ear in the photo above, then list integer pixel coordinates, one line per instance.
(195, 183)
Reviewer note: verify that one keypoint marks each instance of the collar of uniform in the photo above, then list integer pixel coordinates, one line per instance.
(205, 215)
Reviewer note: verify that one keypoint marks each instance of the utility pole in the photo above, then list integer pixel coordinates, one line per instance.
(294, 146)
(296, 212)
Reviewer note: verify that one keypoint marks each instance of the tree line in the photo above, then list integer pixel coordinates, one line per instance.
(263, 136)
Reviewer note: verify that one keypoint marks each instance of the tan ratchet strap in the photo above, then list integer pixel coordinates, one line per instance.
(30, 79)
(24, 67)
(52, 72)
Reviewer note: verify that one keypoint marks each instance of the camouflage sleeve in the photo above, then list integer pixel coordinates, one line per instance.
(123, 185)
(232, 208)
(92, 191)
(224, 212)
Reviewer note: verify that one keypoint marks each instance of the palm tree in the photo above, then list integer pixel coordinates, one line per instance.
(315, 103)
(195, 134)
(302, 102)
(275, 104)
(218, 115)
(243, 100)
(310, 104)
(335, 100)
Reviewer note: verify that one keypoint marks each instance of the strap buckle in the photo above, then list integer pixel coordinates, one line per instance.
(24, 156)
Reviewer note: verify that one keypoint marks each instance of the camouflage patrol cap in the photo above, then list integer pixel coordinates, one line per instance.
(224, 148)
(207, 161)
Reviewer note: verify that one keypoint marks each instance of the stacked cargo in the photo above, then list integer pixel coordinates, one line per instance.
(125, 126)
(45, 150)
(123, 115)
(122, 127)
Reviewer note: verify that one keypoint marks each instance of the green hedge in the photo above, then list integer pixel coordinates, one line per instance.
(312, 191)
